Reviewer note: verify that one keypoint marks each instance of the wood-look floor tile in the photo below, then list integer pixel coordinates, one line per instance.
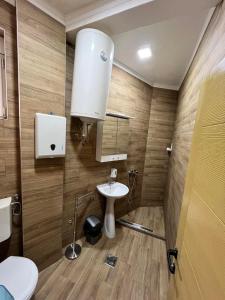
(140, 272)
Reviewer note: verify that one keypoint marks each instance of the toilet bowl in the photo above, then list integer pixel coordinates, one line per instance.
(19, 275)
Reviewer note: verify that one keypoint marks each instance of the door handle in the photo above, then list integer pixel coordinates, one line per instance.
(171, 254)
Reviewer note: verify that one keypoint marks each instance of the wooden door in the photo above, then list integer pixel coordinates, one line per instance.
(200, 265)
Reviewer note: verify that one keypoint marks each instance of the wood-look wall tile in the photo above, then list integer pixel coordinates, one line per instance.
(9, 129)
(209, 54)
(42, 62)
(82, 172)
(160, 132)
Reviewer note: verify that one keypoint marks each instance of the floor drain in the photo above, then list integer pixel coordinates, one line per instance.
(111, 260)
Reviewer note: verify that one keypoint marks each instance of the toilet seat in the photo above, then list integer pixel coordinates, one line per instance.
(19, 275)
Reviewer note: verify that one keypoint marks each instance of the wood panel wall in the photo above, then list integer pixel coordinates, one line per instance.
(9, 129)
(82, 173)
(201, 231)
(160, 132)
(42, 62)
(209, 54)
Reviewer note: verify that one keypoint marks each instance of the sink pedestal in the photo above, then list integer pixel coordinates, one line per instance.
(109, 221)
(111, 191)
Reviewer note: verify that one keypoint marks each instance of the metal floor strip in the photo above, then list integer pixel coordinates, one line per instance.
(139, 228)
(136, 225)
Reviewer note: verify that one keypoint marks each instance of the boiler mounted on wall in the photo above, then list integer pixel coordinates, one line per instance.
(91, 76)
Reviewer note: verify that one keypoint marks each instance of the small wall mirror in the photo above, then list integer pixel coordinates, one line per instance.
(112, 139)
(3, 86)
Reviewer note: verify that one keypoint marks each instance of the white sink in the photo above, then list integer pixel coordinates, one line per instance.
(114, 190)
(111, 191)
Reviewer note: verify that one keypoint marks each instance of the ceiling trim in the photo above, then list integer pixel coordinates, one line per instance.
(90, 13)
(166, 86)
(205, 25)
(12, 2)
(94, 13)
(140, 77)
(130, 71)
(49, 10)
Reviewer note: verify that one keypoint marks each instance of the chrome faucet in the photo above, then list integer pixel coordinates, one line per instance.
(112, 176)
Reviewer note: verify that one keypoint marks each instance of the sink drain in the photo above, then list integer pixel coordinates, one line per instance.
(111, 260)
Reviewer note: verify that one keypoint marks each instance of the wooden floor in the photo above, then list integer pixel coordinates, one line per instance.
(140, 273)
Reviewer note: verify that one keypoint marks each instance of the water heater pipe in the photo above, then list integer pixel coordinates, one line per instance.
(85, 126)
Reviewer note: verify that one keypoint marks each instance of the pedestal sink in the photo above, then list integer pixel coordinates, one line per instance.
(111, 191)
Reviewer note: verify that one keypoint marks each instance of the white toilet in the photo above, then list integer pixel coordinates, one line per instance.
(19, 275)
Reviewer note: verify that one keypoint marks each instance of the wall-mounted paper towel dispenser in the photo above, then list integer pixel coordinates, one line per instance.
(50, 136)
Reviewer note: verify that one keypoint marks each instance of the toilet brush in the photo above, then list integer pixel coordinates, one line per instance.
(73, 250)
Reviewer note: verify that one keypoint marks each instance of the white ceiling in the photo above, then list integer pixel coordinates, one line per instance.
(172, 28)
(172, 43)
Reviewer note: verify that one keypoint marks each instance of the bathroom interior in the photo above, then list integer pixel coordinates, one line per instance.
(112, 165)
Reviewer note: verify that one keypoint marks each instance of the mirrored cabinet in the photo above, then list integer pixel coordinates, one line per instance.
(112, 138)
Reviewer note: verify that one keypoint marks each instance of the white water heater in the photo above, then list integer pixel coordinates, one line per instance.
(92, 73)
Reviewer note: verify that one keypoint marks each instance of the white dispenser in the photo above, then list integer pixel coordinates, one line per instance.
(92, 74)
(5, 219)
(50, 136)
